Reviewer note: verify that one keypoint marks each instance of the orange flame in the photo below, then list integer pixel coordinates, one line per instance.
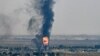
(45, 40)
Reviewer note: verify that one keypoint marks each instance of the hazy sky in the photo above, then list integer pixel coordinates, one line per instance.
(71, 17)
(77, 17)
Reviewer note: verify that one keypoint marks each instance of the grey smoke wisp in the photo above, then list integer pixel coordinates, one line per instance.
(15, 16)
(5, 25)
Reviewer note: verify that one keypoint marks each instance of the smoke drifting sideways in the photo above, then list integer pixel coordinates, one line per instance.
(15, 16)
(26, 17)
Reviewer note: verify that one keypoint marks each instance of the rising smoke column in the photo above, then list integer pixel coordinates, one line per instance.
(45, 9)
(47, 13)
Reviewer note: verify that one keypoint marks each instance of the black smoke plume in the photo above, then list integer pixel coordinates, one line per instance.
(47, 13)
(45, 10)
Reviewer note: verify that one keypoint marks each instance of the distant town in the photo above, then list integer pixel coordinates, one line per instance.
(24, 45)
